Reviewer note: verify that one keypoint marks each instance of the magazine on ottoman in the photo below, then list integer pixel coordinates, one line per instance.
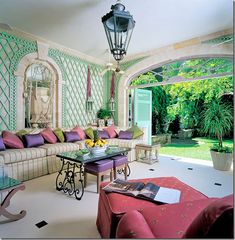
(148, 191)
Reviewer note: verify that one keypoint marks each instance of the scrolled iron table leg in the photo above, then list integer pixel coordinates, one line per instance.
(66, 179)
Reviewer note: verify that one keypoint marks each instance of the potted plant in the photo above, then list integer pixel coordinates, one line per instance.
(103, 115)
(217, 121)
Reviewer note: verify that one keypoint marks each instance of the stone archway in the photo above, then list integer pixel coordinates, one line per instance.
(25, 62)
(162, 57)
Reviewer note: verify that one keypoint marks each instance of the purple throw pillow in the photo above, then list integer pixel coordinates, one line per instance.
(72, 136)
(125, 135)
(2, 146)
(33, 140)
(103, 134)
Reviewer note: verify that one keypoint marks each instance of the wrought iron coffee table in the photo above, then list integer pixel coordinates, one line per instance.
(70, 177)
(11, 186)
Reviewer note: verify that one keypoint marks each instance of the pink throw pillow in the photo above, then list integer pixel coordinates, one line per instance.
(48, 135)
(11, 140)
(80, 132)
(111, 131)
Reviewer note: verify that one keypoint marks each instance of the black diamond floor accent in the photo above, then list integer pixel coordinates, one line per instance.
(218, 184)
(190, 168)
(151, 169)
(41, 224)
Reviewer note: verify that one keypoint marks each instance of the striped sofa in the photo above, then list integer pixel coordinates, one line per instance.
(28, 163)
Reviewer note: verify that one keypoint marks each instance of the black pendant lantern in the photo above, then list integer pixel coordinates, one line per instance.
(118, 25)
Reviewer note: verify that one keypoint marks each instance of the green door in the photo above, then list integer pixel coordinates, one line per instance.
(143, 111)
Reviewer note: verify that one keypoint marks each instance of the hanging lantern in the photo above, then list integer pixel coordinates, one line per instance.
(112, 93)
(118, 25)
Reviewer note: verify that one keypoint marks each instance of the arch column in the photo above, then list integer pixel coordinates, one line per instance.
(161, 57)
(40, 56)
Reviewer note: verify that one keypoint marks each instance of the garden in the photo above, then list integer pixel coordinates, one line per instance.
(205, 107)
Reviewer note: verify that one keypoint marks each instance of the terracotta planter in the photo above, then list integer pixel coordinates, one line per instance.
(222, 161)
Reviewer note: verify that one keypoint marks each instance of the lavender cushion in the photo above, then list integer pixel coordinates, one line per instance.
(119, 160)
(125, 135)
(72, 136)
(99, 166)
(11, 140)
(2, 146)
(103, 134)
(33, 140)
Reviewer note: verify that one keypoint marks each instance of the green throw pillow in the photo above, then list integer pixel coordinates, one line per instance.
(89, 132)
(137, 132)
(21, 133)
(59, 134)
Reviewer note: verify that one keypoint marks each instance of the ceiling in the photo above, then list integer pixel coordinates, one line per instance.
(77, 24)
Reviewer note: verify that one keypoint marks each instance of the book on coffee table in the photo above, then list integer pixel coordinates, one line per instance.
(148, 191)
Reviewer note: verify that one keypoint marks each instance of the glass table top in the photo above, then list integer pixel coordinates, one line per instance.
(8, 182)
(78, 156)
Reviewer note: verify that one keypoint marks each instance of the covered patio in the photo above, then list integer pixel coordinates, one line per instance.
(57, 74)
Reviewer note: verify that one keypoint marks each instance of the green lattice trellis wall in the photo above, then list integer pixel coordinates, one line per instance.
(74, 74)
(12, 49)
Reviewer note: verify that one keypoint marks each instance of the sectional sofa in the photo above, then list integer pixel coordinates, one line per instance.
(33, 162)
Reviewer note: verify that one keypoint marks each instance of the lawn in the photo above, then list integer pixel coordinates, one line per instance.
(193, 148)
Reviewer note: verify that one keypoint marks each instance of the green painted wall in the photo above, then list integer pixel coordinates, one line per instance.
(74, 74)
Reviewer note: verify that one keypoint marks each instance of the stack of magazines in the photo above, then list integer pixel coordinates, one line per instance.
(148, 191)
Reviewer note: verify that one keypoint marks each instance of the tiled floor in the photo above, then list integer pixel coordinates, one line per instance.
(70, 218)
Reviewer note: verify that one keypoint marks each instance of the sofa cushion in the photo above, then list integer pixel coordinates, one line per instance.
(48, 135)
(137, 132)
(89, 132)
(103, 134)
(19, 155)
(215, 221)
(33, 140)
(133, 225)
(111, 131)
(2, 146)
(59, 134)
(71, 136)
(53, 149)
(80, 132)
(11, 140)
(125, 135)
(124, 142)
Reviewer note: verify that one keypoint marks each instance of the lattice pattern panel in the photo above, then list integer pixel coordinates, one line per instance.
(74, 74)
(12, 49)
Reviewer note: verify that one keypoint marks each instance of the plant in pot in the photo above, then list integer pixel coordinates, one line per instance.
(217, 121)
(103, 115)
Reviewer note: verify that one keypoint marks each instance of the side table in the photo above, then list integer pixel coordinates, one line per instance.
(151, 153)
(11, 186)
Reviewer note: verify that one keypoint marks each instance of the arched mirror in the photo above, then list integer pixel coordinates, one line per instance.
(39, 96)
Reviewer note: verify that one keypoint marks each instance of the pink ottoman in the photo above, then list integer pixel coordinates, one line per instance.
(112, 206)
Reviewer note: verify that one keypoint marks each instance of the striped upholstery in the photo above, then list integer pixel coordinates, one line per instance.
(53, 149)
(54, 163)
(27, 170)
(28, 163)
(19, 155)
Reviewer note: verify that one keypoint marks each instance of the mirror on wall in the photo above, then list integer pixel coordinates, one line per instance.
(39, 96)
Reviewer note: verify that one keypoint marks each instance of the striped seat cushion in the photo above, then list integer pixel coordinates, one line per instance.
(53, 149)
(19, 155)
